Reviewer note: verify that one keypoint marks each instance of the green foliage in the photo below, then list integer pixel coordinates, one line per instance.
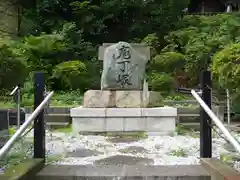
(13, 69)
(168, 62)
(183, 131)
(28, 86)
(70, 75)
(162, 70)
(67, 98)
(42, 52)
(74, 30)
(199, 37)
(11, 131)
(45, 52)
(60, 99)
(66, 129)
(161, 82)
(100, 21)
(226, 158)
(177, 97)
(152, 40)
(20, 151)
(226, 67)
(77, 46)
(179, 153)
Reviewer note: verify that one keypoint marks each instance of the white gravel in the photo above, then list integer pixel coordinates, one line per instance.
(157, 148)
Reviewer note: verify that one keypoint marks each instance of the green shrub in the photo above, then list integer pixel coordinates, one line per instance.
(199, 37)
(161, 82)
(13, 69)
(168, 62)
(70, 75)
(28, 86)
(43, 52)
(226, 67)
(153, 41)
(67, 98)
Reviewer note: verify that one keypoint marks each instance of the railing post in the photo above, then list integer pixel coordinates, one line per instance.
(39, 124)
(205, 120)
(18, 107)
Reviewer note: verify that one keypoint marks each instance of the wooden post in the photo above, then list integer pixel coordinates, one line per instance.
(39, 124)
(205, 120)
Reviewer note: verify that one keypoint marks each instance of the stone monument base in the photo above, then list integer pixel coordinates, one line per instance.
(121, 99)
(155, 120)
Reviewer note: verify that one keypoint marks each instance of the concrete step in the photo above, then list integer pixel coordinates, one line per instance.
(63, 118)
(55, 110)
(234, 126)
(58, 118)
(192, 125)
(123, 172)
(57, 124)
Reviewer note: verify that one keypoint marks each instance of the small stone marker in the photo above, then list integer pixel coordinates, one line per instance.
(123, 68)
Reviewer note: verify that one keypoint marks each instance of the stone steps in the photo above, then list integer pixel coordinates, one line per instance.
(57, 124)
(234, 126)
(57, 120)
(122, 172)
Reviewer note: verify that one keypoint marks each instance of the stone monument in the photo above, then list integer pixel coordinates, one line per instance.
(123, 103)
(123, 68)
(122, 78)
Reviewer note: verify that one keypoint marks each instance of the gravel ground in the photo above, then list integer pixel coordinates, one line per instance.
(66, 149)
(156, 150)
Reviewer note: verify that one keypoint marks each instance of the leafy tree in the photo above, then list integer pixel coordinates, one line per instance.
(164, 70)
(101, 20)
(199, 37)
(226, 67)
(45, 51)
(13, 69)
(42, 52)
(87, 24)
(169, 62)
(152, 40)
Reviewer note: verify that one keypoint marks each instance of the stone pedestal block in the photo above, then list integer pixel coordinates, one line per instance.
(120, 99)
(162, 119)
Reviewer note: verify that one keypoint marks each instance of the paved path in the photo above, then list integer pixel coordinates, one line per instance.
(120, 172)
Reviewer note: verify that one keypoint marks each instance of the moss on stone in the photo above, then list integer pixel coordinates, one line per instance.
(67, 129)
(139, 134)
(179, 153)
(54, 158)
(26, 169)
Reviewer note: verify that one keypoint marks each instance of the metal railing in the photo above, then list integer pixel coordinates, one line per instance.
(216, 120)
(20, 131)
(17, 91)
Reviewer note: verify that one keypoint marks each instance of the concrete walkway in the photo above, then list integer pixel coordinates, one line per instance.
(120, 172)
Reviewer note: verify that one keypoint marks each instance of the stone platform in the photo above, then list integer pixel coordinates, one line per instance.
(160, 119)
(121, 99)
